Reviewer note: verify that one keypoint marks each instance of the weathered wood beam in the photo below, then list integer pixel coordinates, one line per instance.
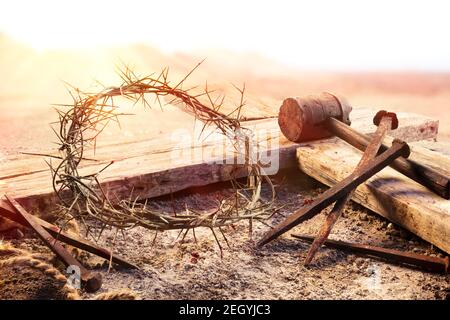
(147, 167)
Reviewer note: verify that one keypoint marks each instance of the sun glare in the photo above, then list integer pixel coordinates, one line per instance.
(312, 34)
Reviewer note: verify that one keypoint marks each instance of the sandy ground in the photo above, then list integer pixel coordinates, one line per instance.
(171, 269)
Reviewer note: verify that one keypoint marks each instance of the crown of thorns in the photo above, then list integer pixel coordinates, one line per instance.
(82, 196)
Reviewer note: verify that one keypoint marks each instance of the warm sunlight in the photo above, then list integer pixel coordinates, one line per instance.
(221, 159)
(342, 35)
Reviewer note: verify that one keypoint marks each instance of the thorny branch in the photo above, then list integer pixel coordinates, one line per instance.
(82, 197)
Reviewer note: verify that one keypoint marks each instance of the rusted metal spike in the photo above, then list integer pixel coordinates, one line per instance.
(91, 280)
(433, 264)
(8, 212)
(426, 176)
(398, 148)
(385, 121)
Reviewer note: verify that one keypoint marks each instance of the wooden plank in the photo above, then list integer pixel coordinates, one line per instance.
(148, 166)
(412, 128)
(423, 153)
(388, 193)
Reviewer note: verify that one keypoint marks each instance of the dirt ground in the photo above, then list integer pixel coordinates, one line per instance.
(171, 269)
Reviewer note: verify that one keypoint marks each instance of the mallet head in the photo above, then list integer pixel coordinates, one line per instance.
(302, 119)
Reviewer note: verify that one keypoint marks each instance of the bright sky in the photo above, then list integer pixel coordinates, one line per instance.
(339, 35)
